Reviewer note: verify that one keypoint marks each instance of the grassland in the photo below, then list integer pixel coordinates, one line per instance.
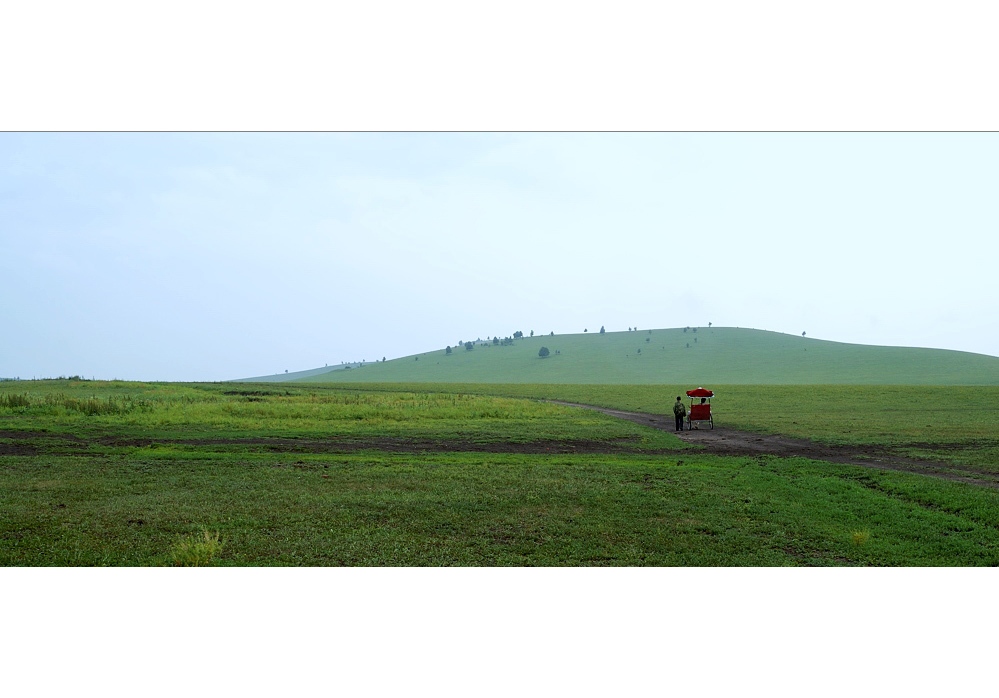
(721, 355)
(161, 474)
(950, 424)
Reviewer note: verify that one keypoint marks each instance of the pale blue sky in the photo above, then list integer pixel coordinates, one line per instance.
(213, 256)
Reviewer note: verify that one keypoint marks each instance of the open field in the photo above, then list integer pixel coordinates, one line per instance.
(948, 424)
(295, 474)
(723, 355)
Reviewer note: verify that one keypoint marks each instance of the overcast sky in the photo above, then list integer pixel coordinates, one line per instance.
(222, 192)
(204, 256)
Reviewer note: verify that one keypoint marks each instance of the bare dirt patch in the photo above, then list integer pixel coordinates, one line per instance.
(725, 441)
(389, 444)
(32, 443)
(17, 450)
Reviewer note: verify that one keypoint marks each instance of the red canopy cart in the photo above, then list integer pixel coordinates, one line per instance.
(700, 408)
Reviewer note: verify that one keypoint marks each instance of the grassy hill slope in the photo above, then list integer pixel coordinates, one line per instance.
(720, 355)
(294, 375)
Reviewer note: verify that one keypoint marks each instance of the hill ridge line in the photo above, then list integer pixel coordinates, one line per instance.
(716, 355)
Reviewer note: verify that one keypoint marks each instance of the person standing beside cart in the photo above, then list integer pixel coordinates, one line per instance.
(679, 411)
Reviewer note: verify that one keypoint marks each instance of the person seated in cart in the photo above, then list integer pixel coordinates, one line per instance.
(700, 412)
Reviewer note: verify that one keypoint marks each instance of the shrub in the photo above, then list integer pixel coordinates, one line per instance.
(195, 550)
(15, 400)
(543, 352)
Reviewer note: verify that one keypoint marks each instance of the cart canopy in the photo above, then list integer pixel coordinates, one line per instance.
(700, 392)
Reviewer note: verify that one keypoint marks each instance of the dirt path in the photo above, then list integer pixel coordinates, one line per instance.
(725, 441)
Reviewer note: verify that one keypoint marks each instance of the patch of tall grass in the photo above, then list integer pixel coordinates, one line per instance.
(15, 400)
(110, 405)
(196, 550)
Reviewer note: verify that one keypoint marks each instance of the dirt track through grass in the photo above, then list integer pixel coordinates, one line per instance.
(725, 441)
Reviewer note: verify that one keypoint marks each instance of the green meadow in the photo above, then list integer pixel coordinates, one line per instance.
(440, 474)
(950, 424)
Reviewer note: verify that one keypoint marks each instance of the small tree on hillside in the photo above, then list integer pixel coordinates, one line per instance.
(468, 346)
(601, 329)
(447, 350)
(518, 334)
(543, 352)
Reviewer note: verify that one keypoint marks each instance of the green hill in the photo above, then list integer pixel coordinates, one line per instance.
(294, 375)
(702, 356)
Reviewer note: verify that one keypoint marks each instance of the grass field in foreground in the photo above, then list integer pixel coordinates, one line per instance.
(498, 509)
(153, 474)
